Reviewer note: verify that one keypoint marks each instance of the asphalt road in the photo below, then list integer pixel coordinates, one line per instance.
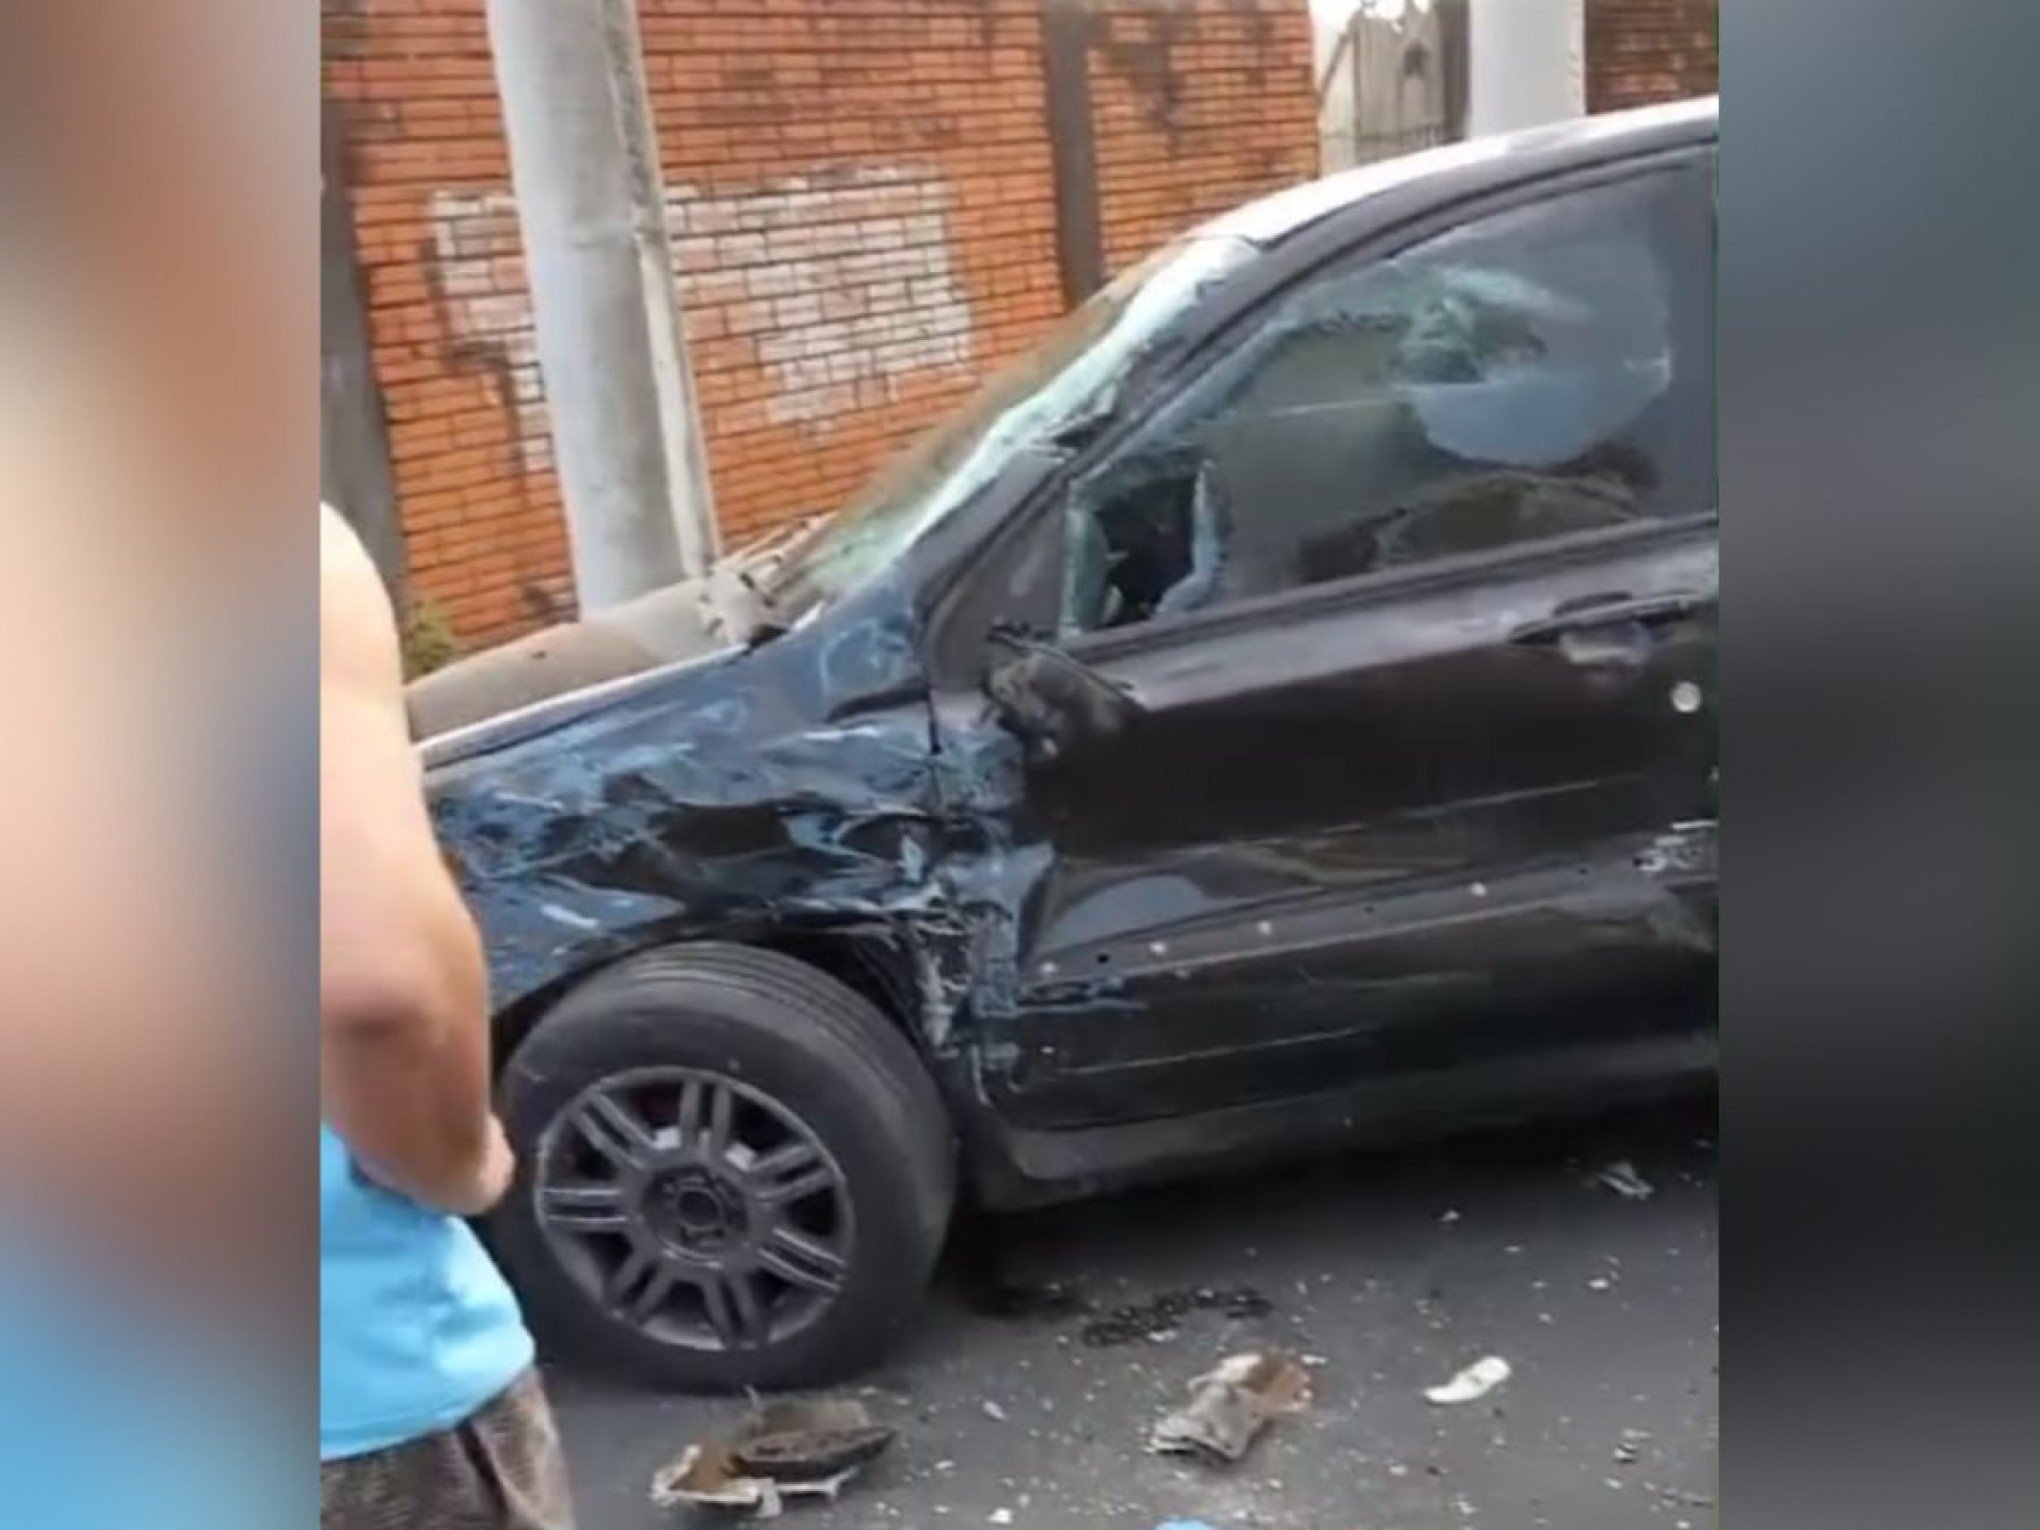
(1389, 1272)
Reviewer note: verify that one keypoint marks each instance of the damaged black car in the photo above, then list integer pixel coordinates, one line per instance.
(1280, 710)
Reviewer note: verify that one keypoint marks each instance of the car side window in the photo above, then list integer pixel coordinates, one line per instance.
(1540, 371)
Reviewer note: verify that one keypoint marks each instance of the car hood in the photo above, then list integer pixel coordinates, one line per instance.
(579, 663)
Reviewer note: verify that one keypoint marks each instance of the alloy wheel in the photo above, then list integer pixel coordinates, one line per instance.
(695, 1208)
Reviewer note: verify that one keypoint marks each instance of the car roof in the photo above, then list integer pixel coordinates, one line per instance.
(1472, 166)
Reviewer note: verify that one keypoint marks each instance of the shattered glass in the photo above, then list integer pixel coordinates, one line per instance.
(1070, 380)
(1529, 375)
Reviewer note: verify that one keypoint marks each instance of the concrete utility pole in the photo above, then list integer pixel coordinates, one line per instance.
(1526, 64)
(585, 167)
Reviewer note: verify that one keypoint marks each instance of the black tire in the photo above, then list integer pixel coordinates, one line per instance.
(786, 1037)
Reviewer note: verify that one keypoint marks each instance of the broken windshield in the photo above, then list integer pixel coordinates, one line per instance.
(1065, 382)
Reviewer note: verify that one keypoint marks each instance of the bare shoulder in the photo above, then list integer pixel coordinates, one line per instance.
(358, 647)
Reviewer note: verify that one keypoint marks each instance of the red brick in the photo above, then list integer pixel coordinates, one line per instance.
(748, 94)
(1641, 51)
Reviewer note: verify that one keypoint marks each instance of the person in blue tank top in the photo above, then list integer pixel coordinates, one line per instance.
(151, 1288)
(430, 1412)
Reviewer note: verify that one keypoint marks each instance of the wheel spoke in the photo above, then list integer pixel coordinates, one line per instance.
(582, 1208)
(801, 1259)
(614, 1131)
(790, 1173)
(734, 1311)
(722, 1110)
(640, 1285)
(693, 1095)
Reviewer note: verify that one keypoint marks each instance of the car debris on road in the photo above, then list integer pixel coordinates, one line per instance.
(1621, 1177)
(1471, 1384)
(782, 1450)
(1231, 1404)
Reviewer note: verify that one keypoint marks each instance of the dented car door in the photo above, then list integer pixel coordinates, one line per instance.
(1409, 600)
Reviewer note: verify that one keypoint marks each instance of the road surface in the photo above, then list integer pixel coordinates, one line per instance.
(1389, 1272)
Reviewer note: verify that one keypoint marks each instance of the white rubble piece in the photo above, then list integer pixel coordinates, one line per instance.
(1471, 1384)
(1621, 1177)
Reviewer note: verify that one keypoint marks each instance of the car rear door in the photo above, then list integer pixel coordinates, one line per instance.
(1413, 590)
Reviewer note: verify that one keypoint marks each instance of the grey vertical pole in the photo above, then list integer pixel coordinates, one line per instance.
(1524, 63)
(585, 168)
(1354, 81)
(1452, 30)
(1066, 27)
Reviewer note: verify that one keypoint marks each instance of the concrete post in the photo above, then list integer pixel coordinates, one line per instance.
(585, 168)
(1526, 64)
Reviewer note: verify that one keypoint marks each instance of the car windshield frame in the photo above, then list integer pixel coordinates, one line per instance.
(1074, 375)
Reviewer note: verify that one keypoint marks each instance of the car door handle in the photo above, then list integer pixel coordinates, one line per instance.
(1612, 611)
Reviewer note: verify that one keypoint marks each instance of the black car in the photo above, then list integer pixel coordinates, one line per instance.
(1279, 710)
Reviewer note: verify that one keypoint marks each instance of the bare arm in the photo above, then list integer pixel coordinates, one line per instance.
(403, 1005)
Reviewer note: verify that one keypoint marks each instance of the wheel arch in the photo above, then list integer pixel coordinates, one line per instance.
(874, 961)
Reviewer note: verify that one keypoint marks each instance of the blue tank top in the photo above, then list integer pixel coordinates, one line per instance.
(417, 1327)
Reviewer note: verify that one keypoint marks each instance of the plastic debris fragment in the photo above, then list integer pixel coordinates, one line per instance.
(1621, 1177)
(1232, 1404)
(1476, 1381)
(783, 1450)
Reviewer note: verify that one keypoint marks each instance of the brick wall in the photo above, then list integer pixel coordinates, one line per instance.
(862, 215)
(1641, 51)
(1197, 108)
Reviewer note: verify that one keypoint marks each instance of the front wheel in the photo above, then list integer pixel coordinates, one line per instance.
(733, 1171)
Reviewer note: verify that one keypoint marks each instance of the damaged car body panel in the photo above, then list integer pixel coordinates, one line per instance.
(786, 786)
(1253, 887)
(1284, 708)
